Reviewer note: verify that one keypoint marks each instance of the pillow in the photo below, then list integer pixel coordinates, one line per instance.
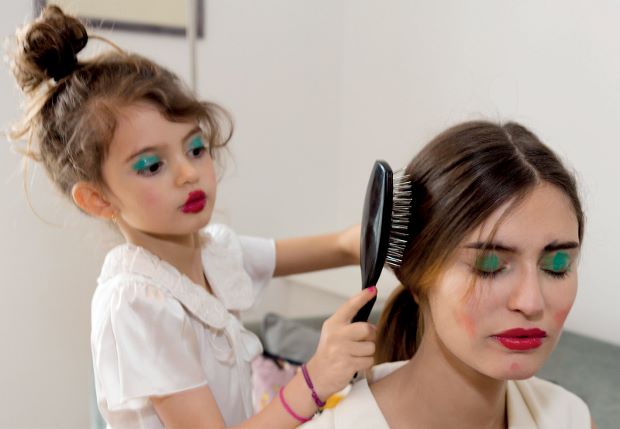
(288, 339)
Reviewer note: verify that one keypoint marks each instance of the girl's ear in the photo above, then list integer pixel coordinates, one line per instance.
(89, 198)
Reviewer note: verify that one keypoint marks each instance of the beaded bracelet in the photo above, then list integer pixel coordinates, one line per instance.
(315, 396)
(289, 410)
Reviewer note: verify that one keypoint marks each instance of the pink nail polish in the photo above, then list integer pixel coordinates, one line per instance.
(372, 289)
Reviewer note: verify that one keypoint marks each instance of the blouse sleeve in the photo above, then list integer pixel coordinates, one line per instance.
(259, 260)
(148, 348)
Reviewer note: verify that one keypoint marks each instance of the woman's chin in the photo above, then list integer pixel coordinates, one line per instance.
(517, 370)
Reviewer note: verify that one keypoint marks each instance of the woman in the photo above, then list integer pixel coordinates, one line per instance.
(488, 278)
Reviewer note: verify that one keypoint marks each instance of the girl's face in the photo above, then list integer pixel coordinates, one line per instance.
(500, 309)
(159, 174)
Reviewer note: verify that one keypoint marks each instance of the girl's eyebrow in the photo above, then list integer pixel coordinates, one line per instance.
(482, 245)
(193, 131)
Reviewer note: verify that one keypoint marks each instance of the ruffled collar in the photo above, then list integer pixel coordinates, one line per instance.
(222, 260)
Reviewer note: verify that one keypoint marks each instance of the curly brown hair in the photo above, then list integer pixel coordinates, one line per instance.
(72, 107)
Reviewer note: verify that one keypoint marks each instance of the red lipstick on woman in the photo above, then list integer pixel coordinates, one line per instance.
(521, 339)
(196, 201)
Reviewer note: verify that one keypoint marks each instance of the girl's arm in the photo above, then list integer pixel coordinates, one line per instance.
(304, 254)
(344, 348)
(197, 408)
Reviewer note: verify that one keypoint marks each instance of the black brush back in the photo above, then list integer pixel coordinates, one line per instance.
(376, 225)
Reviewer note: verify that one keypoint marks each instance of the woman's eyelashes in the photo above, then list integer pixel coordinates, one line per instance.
(147, 165)
(556, 264)
(488, 264)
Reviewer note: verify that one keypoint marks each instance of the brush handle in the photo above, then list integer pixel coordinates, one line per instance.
(362, 316)
(364, 312)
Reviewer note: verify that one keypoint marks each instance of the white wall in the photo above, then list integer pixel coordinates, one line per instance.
(319, 89)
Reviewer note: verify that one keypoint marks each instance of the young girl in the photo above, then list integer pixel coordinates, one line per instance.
(127, 142)
(488, 278)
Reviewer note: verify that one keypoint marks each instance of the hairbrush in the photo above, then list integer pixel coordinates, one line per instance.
(385, 225)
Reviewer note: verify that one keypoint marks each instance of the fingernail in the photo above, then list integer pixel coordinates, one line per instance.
(372, 289)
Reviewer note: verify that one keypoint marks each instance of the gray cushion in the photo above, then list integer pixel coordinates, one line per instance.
(288, 339)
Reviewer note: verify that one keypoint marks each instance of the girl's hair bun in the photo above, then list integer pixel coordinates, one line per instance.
(48, 48)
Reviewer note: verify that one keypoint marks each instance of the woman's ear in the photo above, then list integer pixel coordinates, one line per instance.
(91, 199)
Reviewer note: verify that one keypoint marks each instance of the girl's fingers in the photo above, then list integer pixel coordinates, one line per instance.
(360, 331)
(345, 313)
(362, 363)
(362, 349)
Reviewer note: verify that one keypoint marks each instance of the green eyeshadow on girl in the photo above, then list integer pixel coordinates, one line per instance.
(196, 143)
(145, 162)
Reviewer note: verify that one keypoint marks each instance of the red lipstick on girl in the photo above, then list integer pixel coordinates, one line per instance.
(196, 201)
(521, 339)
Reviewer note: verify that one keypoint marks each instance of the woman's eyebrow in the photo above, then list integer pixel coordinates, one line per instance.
(483, 245)
(561, 246)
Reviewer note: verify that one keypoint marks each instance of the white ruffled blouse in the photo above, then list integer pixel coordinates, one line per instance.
(155, 332)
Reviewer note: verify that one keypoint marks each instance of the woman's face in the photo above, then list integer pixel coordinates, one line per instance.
(500, 309)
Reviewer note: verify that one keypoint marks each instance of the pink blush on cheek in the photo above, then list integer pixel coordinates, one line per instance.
(149, 198)
(560, 317)
(467, 323)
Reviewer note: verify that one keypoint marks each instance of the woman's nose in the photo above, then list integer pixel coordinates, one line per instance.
(526, 296)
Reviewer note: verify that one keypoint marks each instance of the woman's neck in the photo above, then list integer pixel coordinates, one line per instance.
(436, 390)
(181, 251)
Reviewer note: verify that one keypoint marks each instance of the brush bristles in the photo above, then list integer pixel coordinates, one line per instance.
(401, 213)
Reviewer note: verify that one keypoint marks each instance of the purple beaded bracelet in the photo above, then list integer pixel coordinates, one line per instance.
(315, 397)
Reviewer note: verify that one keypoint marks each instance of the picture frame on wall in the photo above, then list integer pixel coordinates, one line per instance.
(154, 16)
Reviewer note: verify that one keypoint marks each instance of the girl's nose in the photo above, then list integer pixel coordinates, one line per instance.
(187, 172)
(526, 296)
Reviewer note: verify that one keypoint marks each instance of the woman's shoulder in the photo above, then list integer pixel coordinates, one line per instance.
(546, 404)
(358, 408)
